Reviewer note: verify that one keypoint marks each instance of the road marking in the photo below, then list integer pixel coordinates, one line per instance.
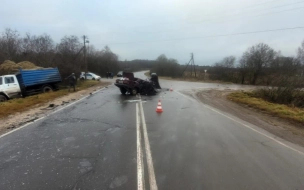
(27, 124)
(152, 181)
(247, 126)
(139, 153)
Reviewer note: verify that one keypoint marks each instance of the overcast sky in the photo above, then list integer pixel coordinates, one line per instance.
(144, 29)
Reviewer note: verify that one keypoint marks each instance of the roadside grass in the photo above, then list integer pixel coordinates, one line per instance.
(283, 111)
(21, 104)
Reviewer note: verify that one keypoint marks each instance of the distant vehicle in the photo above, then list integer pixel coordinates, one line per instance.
(28, 82)
(90, 76)
(119, 74)
(131, 85)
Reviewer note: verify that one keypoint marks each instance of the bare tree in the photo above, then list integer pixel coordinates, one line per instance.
(9, 45)
(44, 48)
(167, 67)
(300, 55)
(223, 70)
(256, 58)
(243, 70)
(103, 61)
(68, 56)
(300, 58)
(227, 62)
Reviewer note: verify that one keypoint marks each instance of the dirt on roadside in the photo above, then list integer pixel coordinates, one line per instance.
(286, 130)
(21, 118)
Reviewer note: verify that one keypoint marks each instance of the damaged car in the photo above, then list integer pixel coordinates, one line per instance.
(128, 84)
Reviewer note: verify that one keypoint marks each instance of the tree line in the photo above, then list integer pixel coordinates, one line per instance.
(136, 65)
(259, 65)
(67, 55)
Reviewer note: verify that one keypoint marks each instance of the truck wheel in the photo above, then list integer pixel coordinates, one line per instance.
(134, 91)
(47, 89)
(2, 98)
(123, 91)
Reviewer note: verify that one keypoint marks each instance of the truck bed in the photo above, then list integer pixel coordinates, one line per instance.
(29, 78)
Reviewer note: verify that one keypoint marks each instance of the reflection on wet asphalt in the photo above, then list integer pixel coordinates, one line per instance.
(92, 145)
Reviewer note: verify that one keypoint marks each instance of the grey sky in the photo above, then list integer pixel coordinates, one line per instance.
(138, 29)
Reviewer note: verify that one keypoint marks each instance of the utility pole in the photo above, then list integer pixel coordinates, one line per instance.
(192, 65)
(84, 56)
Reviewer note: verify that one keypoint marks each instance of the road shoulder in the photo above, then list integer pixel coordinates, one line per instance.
(19, 119)
(277, 126)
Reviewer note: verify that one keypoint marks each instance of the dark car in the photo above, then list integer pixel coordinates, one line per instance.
(129, 84)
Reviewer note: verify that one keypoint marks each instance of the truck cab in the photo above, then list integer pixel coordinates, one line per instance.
(9, 87)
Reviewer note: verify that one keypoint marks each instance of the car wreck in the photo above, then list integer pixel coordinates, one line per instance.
(128, 84)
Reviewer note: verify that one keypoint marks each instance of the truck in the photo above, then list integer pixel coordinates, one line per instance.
(28, 82)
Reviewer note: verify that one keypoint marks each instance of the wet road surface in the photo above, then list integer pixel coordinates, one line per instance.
(110, 141)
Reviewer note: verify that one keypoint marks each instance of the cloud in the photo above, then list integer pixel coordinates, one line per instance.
(147, 24)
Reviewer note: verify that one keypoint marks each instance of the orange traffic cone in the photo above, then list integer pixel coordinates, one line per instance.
(159, 108)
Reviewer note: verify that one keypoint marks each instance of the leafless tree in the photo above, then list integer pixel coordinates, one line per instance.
(9, 45)
(224, 70)
(300, 55)
(256, 58)
(167, 67)
(227, 62)
(300, 58)
(69, 57)
(103, 61)
(45, 50)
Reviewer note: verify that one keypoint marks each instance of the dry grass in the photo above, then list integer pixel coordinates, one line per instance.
(22, 104)
(279, 110)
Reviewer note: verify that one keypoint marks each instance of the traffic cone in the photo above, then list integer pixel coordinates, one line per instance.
(159, 108)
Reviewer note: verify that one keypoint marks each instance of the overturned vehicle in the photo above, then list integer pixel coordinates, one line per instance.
(128, 84)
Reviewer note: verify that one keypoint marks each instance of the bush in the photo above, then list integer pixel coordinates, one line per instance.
(281, 95)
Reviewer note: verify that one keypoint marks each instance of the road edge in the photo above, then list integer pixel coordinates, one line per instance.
(68, 105)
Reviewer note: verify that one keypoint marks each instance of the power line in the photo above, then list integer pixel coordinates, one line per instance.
(255, 5)
(247, 7)
(271, 13)
(211, 36)
(241, 8)
(238, 14)
(225, 21)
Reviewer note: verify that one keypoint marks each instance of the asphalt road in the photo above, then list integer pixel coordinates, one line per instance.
(110, 141)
